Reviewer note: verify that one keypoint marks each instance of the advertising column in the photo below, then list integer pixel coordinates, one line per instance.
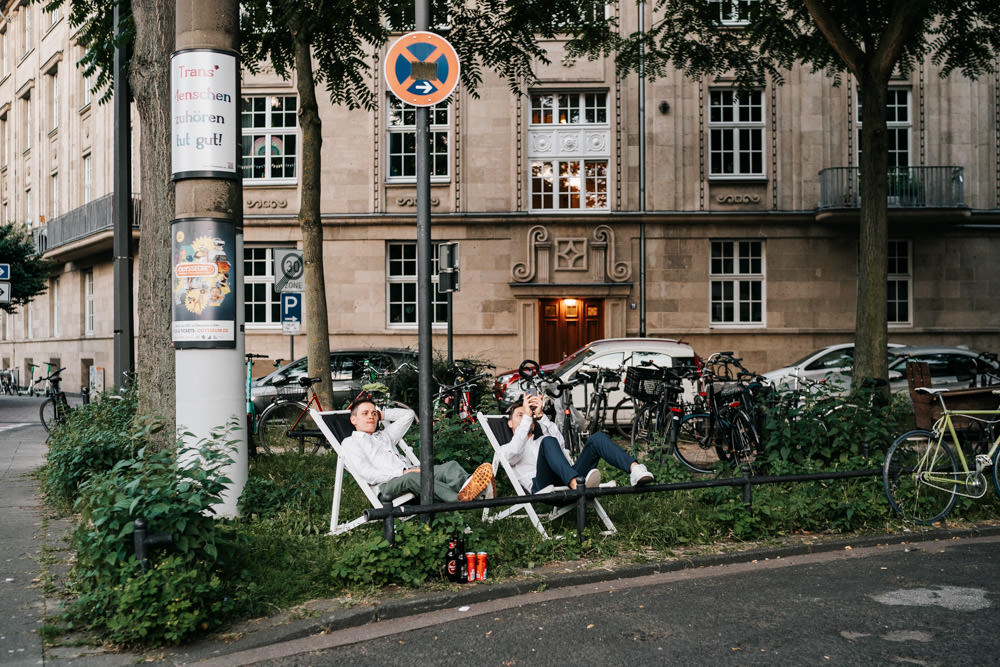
(207, 236)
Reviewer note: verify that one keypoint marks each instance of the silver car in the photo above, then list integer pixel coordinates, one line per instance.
(831, 365)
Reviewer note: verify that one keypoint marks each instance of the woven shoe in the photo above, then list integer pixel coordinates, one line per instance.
(477, 482)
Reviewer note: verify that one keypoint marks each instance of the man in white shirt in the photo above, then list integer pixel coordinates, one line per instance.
(374, 455)
(539, 458)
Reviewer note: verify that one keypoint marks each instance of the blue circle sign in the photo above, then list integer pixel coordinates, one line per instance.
(421, 68)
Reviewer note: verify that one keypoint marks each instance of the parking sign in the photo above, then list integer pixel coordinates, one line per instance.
(291, 312)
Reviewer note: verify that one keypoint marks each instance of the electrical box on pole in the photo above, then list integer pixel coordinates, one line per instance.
(448, 267)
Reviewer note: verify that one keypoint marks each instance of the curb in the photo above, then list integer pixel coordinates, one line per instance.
(330, 615)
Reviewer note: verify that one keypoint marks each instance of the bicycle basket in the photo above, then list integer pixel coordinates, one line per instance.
(726, 389)
(644, 384)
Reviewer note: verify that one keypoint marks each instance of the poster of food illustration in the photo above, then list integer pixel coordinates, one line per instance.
(204, 253)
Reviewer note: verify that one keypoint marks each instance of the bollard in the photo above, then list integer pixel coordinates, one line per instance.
(388, 523)
(143, 543)
(747, 494)
(581, 508)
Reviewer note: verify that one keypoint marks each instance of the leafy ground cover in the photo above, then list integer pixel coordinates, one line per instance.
(277, 554)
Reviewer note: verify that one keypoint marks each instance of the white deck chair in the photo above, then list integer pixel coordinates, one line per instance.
(336, 426)
(499, 433)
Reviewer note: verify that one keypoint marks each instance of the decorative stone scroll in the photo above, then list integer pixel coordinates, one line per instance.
(538, 238)
(614, 271)
(571, 254)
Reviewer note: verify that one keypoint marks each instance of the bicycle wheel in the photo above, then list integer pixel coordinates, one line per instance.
(694, 447)
(650, 436)
(996, 475)
(47, 413)
(911, 457)
(272, 429)
(744, 440)
(622, 417)
(596, 412)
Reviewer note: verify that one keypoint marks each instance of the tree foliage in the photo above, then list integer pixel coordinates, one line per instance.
(868, 40)
(29, 273)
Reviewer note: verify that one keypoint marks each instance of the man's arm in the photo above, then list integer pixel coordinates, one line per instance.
(514, 450)
(397, 422)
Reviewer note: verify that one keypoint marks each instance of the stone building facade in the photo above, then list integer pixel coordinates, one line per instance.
(750, 215)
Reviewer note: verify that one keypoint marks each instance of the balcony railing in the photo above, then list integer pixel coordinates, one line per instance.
(91, 218)
(909, 187)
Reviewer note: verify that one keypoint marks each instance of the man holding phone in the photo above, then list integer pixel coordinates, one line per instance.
(539, 458)
(374, 453)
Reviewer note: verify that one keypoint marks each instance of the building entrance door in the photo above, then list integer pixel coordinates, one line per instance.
(566, 325)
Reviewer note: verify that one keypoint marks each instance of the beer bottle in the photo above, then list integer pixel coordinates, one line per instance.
(461, 569)
(451, 559)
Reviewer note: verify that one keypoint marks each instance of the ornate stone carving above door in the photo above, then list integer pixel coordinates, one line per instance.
(547, 257)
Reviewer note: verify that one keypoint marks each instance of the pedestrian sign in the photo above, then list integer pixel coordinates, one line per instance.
(422, 68)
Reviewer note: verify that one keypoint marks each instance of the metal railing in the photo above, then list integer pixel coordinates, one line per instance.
(91, 218)
(909, 187)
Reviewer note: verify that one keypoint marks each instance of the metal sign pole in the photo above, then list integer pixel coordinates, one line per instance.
(425, 348)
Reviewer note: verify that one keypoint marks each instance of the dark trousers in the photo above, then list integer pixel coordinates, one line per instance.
(553, 468)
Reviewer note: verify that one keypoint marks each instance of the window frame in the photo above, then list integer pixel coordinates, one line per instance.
(734, 129)
(735, 279)
(895, 128)
(267, 133)
(88, 302)
(397, 108)
(273, 304)
(896, 278)
(734, 10)
(439, 300)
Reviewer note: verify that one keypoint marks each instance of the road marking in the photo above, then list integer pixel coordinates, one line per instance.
(7, 426)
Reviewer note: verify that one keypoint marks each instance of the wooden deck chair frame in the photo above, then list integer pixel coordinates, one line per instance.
(370, 490)
(500, 461)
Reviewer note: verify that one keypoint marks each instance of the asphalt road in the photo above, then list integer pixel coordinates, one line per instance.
(932, 603)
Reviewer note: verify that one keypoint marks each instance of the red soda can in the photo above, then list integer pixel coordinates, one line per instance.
(481, 566)
(470, 560)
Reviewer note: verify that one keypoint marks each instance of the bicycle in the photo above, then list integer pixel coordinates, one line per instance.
(603, 381)
(251, 423)
(55, 409)
(727, 431)
(460, 399)
(7, 382)
(278, 426)
(924, 474)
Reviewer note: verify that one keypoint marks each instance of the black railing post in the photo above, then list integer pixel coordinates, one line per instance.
(747, 486)
(388, 523)
(581, 508)
(143, 542)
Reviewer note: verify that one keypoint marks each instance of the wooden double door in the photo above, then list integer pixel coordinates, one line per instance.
(566, 325)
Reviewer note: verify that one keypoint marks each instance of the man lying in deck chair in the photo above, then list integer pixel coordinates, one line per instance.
(538, 456)
(374, 454)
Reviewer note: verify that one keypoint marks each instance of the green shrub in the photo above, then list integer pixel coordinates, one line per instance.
(193, 585)
(95, 437)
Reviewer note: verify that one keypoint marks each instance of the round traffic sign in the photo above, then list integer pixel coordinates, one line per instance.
(421, 68)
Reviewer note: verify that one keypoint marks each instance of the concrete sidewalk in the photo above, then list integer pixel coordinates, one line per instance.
(27, 536)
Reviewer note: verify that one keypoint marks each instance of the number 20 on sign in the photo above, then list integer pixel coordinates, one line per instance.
(422, 68)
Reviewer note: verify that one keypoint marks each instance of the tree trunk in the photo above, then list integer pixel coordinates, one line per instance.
(871, 332)
(150, 81)
(317, 324)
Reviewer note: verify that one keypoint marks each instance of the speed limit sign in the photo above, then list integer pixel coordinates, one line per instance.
(289, 271)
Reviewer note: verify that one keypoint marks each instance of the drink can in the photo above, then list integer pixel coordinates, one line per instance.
(470, 563)
(481, 566)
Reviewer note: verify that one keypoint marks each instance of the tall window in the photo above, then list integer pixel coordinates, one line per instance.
(29, 320)
(54, 195)
(735, 133)
(270, 142)
(401, 285)
(569, 146)
(733, 12)
(737, 282)
(88, 302)
(402, 127)
(899, 125)
(261, 304)
(5, 138)
(53, 78)
(88, 178)
(26, 10)
(29, 211)
(898, 302)
(27, 120)
(54, 306)
(4, 50)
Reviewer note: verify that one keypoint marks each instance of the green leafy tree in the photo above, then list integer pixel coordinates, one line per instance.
(29, 273)
(341, 38)
(868, 40)
(147, 36)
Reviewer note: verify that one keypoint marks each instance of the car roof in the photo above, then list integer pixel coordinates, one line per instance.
(910, 350)
(629, 343)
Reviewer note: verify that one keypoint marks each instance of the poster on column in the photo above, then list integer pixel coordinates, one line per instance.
(204, 304)
(204, 99)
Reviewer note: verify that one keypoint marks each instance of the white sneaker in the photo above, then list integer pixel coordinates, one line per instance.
(640, 475)
(593, 478)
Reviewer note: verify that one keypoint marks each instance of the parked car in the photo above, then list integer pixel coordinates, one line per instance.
(831, 364)
(951, 367)
(605, 353)
(346, 370)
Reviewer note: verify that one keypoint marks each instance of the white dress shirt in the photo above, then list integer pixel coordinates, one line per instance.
(374, 456)
(522, 451)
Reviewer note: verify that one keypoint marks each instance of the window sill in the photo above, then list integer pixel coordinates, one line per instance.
(737, 178)
(269, 183)
(568, 211)
(737, 325)
(412, 180)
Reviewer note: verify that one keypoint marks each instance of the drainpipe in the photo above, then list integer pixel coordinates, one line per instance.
(642, 173)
